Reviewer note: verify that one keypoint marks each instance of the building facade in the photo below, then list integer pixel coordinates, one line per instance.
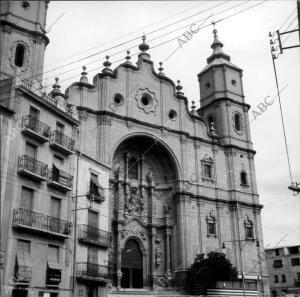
(37, 162)
(117, 185)
(283, 264)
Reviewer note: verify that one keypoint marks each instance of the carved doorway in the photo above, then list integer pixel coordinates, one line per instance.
(132, 265)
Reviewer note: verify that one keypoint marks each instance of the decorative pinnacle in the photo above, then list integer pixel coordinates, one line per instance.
(56, 85)
(161, 68)
(83, 77)
(143, 46)
(128, 57)
(107, 64)
(179, 88)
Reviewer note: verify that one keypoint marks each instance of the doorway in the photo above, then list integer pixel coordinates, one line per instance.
(132, 265)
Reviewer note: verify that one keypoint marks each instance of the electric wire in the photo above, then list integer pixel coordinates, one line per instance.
(282, 119)
(287, 19)
(172, 39)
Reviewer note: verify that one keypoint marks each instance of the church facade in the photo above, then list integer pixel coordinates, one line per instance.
(155, 183)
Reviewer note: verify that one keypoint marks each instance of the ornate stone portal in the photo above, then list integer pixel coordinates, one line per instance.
(142, 188)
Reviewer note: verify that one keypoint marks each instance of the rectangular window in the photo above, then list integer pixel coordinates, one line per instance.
(211, 226)
(92, 218)
(19, 293)
(23, 246)
(207, 171)
(294, 250)
(55, 207)
(277, 263)
(274, 293)
(249, 232)
(283, 278)
(58, 161)
(60, 128)
(295, 261)
(94, 185)
(92, 255)
(34, 113)
(276, 279)
(277, 252)
(26, 198)
(30, 150)
(53, 253)
(298, 276)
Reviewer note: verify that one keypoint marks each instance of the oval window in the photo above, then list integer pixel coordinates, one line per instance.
(118, 99)
(172, 115)
(19, 55)
(147, 99)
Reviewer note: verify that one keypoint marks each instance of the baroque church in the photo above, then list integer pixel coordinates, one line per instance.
(177, 182)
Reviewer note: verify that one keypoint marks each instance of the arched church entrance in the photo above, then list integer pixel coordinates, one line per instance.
(143, 187)
(132, 265)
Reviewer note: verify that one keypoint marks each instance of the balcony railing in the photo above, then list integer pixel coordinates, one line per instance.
(60, 179)
(67, 108)
(92, 271)
(33, 168)
(62, 142)
(25, 218)
(94, 235)
(36, 129)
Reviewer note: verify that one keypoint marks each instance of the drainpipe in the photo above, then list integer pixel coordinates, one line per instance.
(75, 223)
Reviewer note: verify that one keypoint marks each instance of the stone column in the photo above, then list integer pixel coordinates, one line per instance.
(152, 254)
(119, 253)
(168, 249)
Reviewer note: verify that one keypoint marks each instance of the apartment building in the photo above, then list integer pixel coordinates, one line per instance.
(283, 265)
(37, 162)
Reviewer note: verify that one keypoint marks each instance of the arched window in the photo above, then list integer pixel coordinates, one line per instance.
(20, 55)
(133, 168)
(244, 180)
(237, 122)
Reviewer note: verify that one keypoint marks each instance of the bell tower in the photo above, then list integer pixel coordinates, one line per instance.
(222, 97)
(23, 39)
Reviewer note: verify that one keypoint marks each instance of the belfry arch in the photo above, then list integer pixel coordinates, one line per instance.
(143, 185)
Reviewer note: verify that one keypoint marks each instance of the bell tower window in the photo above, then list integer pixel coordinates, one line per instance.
(237, 122)
(20, 55)
(244, 179)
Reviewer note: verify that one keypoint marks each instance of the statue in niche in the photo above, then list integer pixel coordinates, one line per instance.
(149, 176)
(167, 207)
(135, 205)
(158, 252)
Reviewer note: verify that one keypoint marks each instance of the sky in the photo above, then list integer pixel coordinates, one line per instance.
(79, 29)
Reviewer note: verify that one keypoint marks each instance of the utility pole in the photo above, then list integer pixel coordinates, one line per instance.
(277, 48)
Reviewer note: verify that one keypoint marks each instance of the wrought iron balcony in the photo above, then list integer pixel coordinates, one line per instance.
(62, 143)
(93, 235)
(92, 272)
(32, 168)
(60, 180)
(38, 222)
(34, 128)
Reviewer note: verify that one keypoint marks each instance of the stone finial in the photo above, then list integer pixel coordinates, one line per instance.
(179, 88)
(160, 69)
(212, 129)
(143, 46)
(83, 77)
(106, 65)
(193, 107)
(56, 85)
(128, 57)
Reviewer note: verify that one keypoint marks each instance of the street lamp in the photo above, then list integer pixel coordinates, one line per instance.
(240, 249)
